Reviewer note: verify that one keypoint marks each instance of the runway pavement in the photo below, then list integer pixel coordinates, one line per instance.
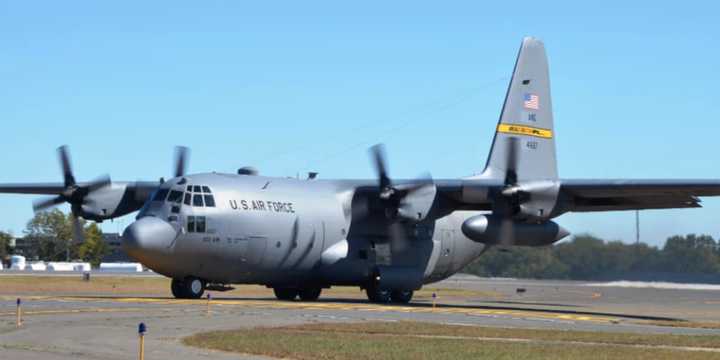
(65, 326)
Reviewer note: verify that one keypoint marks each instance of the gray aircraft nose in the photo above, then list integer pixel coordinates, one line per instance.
(148, 236)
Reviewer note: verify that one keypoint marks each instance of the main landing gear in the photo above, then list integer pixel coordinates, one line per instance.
(386, 296)
(290, 294)
(188, 288)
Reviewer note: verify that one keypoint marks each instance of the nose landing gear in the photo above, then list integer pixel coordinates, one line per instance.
(188, 288)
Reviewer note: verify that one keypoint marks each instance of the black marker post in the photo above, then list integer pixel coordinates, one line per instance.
(18, 313)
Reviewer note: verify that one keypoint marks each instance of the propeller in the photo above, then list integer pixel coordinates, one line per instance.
(73, 193)
(392, 196)
(403, 202)
(507, 205)
(182, 155)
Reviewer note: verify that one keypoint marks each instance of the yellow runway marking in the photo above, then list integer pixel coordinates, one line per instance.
(73, 311)
(274, 304)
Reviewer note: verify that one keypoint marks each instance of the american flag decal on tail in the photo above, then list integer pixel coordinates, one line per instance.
(531, 101)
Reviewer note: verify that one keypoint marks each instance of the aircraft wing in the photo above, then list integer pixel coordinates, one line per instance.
(32, 188)
(615, 194)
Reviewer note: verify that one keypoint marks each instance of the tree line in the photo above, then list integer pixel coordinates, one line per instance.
(49, 237)
(586, 257)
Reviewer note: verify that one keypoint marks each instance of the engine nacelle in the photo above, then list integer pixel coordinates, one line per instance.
(115, 200)
(491, 230)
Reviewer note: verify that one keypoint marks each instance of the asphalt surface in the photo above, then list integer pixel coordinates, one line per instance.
(102, 327)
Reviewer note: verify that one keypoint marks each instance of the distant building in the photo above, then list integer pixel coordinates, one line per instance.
(25, 246)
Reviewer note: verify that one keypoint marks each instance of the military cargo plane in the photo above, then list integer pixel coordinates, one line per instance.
(389, 237)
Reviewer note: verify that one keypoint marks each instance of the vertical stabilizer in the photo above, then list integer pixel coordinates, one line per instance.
(524, 145)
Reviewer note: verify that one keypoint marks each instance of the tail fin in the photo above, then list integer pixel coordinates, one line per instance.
(525, 133)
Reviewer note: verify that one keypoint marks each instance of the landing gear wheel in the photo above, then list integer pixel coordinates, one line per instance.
(193, 288)
(287, 294)
(310, 294)
(176, 287)
(376, 295)
(401, 296)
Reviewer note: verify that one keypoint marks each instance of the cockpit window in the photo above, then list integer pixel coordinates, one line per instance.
(198, 195)
(175, 196)
(209, 200)
(191, 224)
(161, 194)
(200, 224)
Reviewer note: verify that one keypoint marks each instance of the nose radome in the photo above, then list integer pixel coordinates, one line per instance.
(148, 235)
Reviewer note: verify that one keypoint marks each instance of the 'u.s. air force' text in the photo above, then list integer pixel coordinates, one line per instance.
(259, 205)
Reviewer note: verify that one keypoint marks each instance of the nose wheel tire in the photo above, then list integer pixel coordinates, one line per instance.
(311, 294)
(188, 288)
(287, 294)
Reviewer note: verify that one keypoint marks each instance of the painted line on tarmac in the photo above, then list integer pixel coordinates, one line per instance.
(274, 304)
(72, 311)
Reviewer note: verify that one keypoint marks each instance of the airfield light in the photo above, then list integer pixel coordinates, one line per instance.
(142, 329)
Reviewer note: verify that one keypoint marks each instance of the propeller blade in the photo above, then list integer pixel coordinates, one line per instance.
(182, 154)
(512, 160)
(46, 203)
(99, 183)
(377, 152)
(64, 157)
(78, 230)
(506, 233)
(398, 237)
(422, 181)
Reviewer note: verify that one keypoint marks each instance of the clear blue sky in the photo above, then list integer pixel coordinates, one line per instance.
(296, 86)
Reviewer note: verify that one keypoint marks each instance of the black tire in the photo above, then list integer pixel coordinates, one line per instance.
(401, 296)
(193, 288)
(287, 294)
(177, 288)
(377, 295)
(310, 294)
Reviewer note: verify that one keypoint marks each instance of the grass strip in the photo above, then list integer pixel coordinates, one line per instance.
(412, 340)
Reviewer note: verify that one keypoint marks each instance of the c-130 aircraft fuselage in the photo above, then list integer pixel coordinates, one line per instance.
(288, 233)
